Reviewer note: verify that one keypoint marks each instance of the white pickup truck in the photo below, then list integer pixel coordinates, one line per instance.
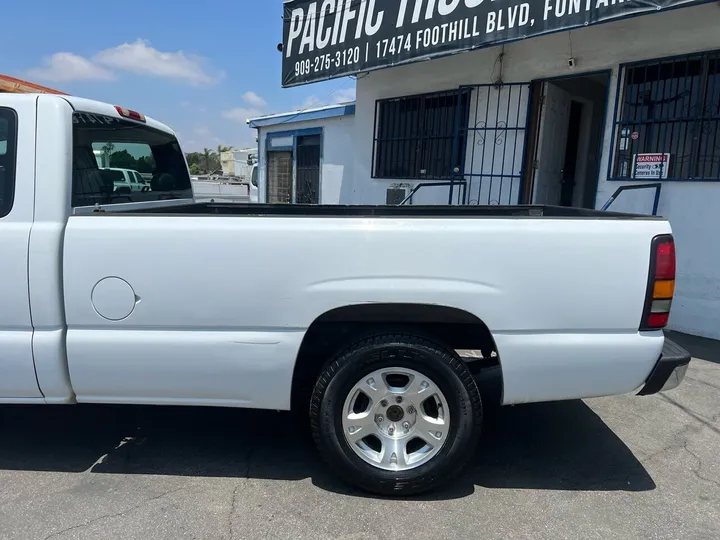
(354, 314)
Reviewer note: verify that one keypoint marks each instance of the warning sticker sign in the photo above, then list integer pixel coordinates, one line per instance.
(651, 166)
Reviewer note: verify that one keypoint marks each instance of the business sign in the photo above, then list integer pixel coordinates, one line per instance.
(324, 39)
(651, 166)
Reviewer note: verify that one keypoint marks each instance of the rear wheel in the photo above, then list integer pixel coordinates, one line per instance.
(396, 414)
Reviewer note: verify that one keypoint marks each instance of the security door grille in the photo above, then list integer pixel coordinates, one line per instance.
(420, 137)
(667, 124)
(308, 170)
(279, 178)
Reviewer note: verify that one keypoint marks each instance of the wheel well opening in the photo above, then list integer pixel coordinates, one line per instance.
(335, 330)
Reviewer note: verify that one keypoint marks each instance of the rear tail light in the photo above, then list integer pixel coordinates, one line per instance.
(661, 284)
(132, 115)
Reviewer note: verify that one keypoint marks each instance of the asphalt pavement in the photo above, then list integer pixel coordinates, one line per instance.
(610, 468)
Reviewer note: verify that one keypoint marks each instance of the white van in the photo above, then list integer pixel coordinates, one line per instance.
(125, 180)
(254, 191)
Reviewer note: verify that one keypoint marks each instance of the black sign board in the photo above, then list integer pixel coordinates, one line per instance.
(324, 39)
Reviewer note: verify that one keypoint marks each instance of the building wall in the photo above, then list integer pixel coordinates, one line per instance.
(235, 162)
(691, 207)
(337, 160)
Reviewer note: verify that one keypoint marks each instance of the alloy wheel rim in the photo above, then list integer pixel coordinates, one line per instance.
(396, 419)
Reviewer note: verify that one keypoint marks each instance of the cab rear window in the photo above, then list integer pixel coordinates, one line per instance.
(8, 141)
(105, 148)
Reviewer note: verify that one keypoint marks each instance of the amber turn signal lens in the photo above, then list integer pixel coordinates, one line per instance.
(664, 289)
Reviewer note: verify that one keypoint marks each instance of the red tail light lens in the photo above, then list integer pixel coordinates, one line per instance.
(658, 320)
(665, 260)
(661, 284)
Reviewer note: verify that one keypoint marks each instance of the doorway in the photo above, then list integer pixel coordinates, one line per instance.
(568, 119)
(294, 169)
(280, 177)
(308, 170)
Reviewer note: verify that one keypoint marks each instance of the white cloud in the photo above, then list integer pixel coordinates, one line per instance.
(200, 136)
(138, 57)
(66, 67)
(240, 114)
(141, 58)
(255, 106)
(309, 103)
(203, 131)
(342, 95)
(206, 136)
(252, 99)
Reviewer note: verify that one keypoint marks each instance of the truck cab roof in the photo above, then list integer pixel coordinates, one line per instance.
(80, 104)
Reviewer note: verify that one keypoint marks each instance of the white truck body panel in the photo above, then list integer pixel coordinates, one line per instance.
(17, 379)
(148, 308)
(54, 176)
(305, 267)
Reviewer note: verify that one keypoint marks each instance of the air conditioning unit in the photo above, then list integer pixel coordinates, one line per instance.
(397, 193)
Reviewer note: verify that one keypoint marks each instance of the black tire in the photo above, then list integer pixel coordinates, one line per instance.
(448, 372)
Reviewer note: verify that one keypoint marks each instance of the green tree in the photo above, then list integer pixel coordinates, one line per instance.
(207, 153)
(207, 161)
(192, 158)
(123, 160)
(145, 164)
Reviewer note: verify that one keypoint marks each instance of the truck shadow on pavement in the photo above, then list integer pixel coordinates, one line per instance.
(699, 347)
(554, 446)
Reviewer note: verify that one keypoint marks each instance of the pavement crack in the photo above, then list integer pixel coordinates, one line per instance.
(699, 381)
(233, 508)
(706, 422)
(636, 415)
(234, 499)
(676, 445)
(110, 516)
(696, 471)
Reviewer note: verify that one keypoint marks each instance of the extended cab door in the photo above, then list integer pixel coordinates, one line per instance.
(17, 191)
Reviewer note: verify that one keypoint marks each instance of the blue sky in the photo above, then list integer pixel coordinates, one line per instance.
(200, 67)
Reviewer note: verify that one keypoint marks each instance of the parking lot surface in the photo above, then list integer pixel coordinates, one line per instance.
(619, 467)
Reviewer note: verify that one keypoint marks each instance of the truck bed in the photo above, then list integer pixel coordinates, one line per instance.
(467, 211)
(562, 291)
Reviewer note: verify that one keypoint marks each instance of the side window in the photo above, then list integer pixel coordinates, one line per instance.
(414, 135)
(105, 148)
(8, 142)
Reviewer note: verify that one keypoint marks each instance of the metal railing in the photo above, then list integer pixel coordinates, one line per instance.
(418, 187)
(221, 190)
(657, 186)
